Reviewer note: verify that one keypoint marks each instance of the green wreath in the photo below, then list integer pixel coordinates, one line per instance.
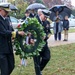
(31, 25)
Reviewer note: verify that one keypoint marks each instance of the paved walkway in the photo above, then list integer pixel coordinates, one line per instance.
(52, 42)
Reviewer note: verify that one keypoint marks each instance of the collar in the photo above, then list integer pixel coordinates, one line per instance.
(3, 17)
(40, 18)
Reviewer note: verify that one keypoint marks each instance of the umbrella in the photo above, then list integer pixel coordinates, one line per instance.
(35, 6)
(61, 15)
(62, 9)
(12, 7)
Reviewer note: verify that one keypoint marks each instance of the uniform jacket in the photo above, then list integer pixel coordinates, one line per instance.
(46, 30)
(32, 15)
(5, 37)
(46, 25)
(65, 24)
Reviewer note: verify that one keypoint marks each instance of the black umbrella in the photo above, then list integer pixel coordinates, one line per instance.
(62, 9)
(12, 7)
(35, 6)
(61, 15)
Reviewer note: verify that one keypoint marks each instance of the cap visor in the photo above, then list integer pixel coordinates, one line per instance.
(7, 9)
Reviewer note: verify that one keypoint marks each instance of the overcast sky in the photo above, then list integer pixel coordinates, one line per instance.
(73, 2)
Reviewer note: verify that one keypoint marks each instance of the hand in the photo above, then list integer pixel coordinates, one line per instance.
(32, 42)
(22, 33)
(12, 39)
(57, 16)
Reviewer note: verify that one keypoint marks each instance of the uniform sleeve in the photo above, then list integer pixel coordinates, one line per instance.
(6, 33)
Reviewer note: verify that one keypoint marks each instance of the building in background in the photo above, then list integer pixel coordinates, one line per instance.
(3, 1)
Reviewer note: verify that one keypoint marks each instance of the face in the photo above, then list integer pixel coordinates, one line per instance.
(42, 17)
(3, 12)
(45, 18)
(27, 14)
(57, 13)
(66, 17)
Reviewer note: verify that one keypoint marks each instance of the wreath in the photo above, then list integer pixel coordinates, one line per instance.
(36, 29)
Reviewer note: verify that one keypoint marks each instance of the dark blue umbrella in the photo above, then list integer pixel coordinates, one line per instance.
(62, 9)
(35, 6)
(61, 15)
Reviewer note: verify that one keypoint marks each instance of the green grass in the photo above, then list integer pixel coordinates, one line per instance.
(62, 62)
(71, 30)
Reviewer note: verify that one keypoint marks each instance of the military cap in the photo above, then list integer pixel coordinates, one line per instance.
(46, 12)
(5, 6)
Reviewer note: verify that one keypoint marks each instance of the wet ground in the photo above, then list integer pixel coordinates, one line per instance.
(52, 42)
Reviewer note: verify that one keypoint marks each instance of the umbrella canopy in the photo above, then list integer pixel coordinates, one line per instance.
(12, 7)
(35, 6)
(61, 15)
(62, 9)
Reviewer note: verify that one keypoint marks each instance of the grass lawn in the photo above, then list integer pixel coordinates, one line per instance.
(71, 30)
(62, 62)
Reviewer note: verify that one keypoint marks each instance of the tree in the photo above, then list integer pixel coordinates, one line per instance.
(67, 2)
(39, 1)
(50, 3)
(21, 5)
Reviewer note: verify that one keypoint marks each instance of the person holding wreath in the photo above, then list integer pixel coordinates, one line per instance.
(44, 57)
(6, 35)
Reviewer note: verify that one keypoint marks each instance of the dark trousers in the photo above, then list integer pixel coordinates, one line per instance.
(41, 61)
(6, 63)
(57, 35)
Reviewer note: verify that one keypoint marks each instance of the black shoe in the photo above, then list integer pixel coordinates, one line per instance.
(65, 40)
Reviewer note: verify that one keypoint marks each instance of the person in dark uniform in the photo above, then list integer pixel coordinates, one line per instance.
(27, 13)
(32, 14)
(44, 57)
(47, 27)
(6, 35)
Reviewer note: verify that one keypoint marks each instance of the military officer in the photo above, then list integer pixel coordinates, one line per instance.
(42, 60)
(6, 50)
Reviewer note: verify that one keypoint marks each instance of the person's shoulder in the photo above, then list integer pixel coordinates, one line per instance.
(24, 18)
